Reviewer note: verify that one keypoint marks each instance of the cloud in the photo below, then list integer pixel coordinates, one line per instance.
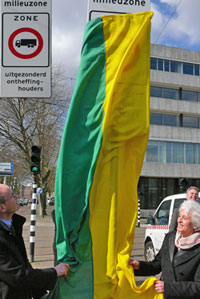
(69, 19)
(188, 21)
(179, 29)
(175, 28)
(66, 50)
(170, 2)
(158, 22)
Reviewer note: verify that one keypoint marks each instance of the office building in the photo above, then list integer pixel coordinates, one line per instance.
(172, 161)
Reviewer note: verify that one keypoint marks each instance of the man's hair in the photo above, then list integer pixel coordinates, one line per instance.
(192, 187)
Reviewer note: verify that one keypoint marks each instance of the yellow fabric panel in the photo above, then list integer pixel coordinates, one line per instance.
(113, 196)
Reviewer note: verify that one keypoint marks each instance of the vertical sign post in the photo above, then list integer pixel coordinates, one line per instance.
(35, 170)
(26, 48)
(33, 220)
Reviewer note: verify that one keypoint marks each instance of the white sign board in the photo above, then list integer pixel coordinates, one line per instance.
(26, 48)
(98, 8)
(6, 168)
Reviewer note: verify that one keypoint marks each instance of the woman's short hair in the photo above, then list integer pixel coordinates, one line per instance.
(193, 208)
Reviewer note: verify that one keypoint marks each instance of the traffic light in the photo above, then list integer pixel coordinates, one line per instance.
(35, 159)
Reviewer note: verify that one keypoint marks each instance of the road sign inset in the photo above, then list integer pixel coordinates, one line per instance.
(28, 42)
(25, 43)
(25, 50)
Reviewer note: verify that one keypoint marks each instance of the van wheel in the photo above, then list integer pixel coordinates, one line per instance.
(149, 253)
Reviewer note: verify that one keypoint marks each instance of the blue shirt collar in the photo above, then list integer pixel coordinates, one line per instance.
(7, 222)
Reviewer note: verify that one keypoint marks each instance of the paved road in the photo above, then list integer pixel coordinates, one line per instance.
(43, 256)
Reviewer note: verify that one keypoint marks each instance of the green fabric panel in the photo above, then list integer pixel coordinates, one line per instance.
(79, 150)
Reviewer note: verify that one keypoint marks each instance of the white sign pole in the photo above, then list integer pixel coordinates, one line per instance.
(26, 48)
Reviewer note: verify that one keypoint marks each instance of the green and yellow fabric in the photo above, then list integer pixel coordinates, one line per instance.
(100, 161)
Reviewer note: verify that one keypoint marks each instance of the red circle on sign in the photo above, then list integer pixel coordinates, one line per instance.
(25, 56)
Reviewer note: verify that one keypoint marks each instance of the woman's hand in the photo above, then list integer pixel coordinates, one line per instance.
(135, 264)
(159, 286)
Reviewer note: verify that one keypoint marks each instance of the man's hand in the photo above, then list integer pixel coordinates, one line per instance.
(135, 264)
(62, 269)
(159, 286)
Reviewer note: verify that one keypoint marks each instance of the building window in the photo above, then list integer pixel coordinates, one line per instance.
(173, 94)
(161, 152)
(174, 120)
(153, 63)
(188, 68)
(190, 122)
(174, 66)
(156, 151)
(169, 152)
(161, 92)
(160, 64)
(155, 119)
(197, 153)
(156, 92)
(178, 152)
(188, 95)
(170, 120)
(172, 152)
(196, 70)
(152, 151)
(169, 93)
(190, 153)
(166, 65)
(164, 119)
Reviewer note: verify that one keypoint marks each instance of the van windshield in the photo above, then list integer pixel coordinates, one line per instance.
(162, 215)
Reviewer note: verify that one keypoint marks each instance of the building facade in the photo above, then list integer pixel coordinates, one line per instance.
(172, 160)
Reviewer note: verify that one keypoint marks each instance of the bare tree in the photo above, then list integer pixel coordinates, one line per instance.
(25, 122)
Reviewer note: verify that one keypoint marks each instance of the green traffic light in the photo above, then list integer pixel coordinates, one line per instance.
(35, 159)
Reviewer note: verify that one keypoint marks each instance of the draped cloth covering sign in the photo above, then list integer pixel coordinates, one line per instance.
(100, 160)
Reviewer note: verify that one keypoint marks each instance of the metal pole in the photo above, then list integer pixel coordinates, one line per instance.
(33, 220)
(4, 180)
(138, 218)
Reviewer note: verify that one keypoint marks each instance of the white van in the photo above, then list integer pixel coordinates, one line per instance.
(158, 224)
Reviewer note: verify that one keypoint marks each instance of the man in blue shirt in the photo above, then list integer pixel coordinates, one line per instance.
(18, 280)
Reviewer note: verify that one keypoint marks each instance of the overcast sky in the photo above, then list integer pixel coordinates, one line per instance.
(173, 27)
